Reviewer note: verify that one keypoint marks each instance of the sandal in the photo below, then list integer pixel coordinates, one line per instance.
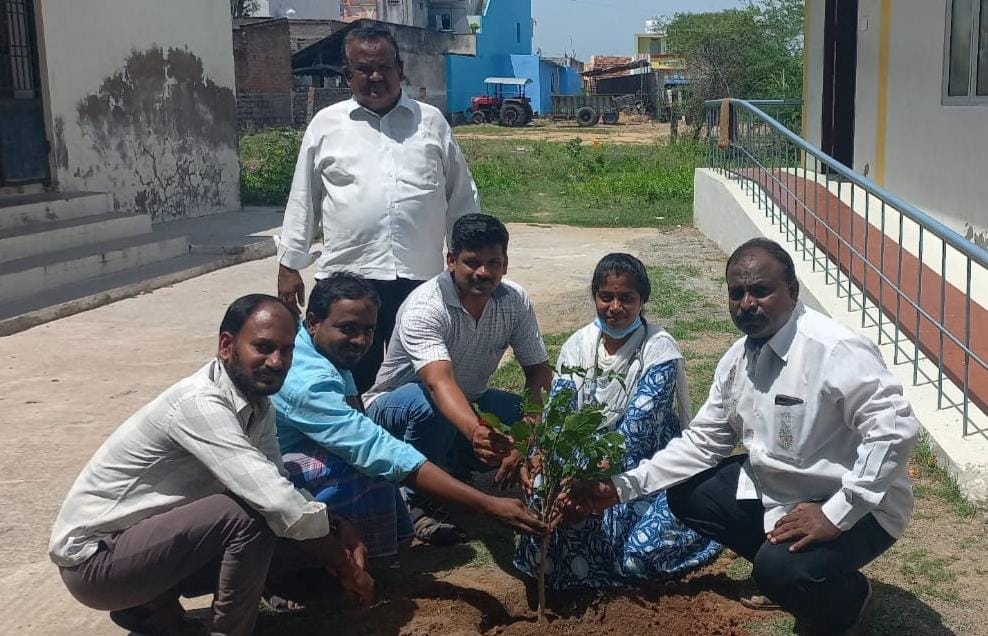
(434, 530)
(281, 605)
(760, 602)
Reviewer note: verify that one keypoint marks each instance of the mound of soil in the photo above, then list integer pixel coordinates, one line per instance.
(487, 601)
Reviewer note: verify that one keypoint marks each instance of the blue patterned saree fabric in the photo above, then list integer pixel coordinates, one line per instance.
(641, 540)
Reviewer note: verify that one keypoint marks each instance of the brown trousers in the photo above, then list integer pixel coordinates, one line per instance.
(217, 544)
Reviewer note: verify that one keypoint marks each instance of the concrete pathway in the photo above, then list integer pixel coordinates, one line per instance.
(69, 383)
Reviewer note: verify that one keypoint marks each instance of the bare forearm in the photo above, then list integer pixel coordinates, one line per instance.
(455, 407)
(437, 484)
(538, 379)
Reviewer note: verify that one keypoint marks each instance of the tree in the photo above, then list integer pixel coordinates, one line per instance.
(753, 52)
(568, 445)
(243, 8)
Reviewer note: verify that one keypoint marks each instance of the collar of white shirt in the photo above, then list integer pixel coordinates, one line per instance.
(241, 405)
(781, 341)
(404, 101)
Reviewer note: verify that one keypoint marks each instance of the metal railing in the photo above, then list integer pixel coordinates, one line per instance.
(921, 284)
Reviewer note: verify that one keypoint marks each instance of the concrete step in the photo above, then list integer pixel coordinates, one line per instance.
(40, 273)
(26, 209)
(45, 238)
(59, 302)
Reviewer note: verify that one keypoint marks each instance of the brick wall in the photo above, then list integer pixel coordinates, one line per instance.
(262, 57)
(256, 111)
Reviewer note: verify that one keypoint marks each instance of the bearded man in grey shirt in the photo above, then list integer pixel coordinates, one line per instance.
(189, 495)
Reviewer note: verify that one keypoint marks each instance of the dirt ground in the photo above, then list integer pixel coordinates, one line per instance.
(628, 130)
(68, 384)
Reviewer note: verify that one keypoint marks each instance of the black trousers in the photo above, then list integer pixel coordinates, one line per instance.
(392, 293)
(822, 583)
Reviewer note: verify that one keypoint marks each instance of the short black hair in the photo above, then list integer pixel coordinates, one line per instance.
(240, 311)
(370, 34)
(477, 231)
(618, 263)
(339, 286)
(774, 250)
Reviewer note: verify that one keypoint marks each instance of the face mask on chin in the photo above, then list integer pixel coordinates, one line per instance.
(618, 334)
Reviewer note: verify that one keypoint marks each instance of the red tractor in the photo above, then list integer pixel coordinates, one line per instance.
(498, 106)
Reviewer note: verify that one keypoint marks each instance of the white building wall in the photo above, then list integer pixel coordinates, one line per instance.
(141, 102)
(935, 155)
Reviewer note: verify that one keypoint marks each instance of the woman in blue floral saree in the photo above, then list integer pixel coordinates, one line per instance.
(636, 370)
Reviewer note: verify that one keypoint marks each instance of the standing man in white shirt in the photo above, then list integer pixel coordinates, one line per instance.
(823, 489)
(189, 495)
(386, 178)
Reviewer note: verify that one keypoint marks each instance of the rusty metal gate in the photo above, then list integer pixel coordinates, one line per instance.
(23, 147)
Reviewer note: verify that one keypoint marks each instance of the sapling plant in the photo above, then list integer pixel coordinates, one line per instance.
(568, 444)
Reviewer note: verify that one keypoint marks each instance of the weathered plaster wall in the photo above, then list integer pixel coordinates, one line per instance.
(141, 96)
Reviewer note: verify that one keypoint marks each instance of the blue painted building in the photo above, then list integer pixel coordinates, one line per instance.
(504, 49)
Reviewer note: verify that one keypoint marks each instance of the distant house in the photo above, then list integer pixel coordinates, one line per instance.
(652, 45)
(423, 51)
(268, 92)
(300, 9)
(451, 16)
(914, 118)
(504, 49)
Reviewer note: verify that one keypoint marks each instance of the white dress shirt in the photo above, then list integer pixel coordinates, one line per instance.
(200, 437)
(387, 188)
(432, 325)
(821, 417)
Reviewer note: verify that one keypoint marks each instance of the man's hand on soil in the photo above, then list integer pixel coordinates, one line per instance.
(805, 525)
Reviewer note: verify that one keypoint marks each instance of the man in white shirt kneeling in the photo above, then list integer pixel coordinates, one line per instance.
(822, 489)
(189, 496)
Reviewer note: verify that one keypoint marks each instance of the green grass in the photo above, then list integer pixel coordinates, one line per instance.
(510, 377)
(929, 576)
(941, 484)
(267, 164)
(601, 185)
(607, 185)
(670, 297)
(692, 329)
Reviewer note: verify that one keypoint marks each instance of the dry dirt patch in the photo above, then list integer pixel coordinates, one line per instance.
(627, 131)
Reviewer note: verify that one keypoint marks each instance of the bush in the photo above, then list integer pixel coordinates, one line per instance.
(267, 164)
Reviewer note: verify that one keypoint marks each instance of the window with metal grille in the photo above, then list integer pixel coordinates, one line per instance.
(18, 76)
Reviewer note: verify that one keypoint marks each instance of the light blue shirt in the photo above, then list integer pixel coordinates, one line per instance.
(312, 407)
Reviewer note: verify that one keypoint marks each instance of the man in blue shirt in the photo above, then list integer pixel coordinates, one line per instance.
(340, 455)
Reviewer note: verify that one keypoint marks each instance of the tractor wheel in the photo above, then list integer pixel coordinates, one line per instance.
(611, 118)
(478, 117)
(512, 115)
(587, 117)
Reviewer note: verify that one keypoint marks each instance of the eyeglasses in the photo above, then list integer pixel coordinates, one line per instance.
(366, 70)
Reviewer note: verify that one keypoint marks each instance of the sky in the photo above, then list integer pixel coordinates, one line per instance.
(604, 27)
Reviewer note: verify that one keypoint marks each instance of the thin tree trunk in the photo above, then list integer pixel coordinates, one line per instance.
(543, 556)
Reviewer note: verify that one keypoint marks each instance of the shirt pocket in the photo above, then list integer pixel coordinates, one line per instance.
(421, 169)
(788, 435)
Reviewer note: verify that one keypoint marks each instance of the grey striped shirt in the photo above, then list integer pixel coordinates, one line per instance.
(432, 325)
